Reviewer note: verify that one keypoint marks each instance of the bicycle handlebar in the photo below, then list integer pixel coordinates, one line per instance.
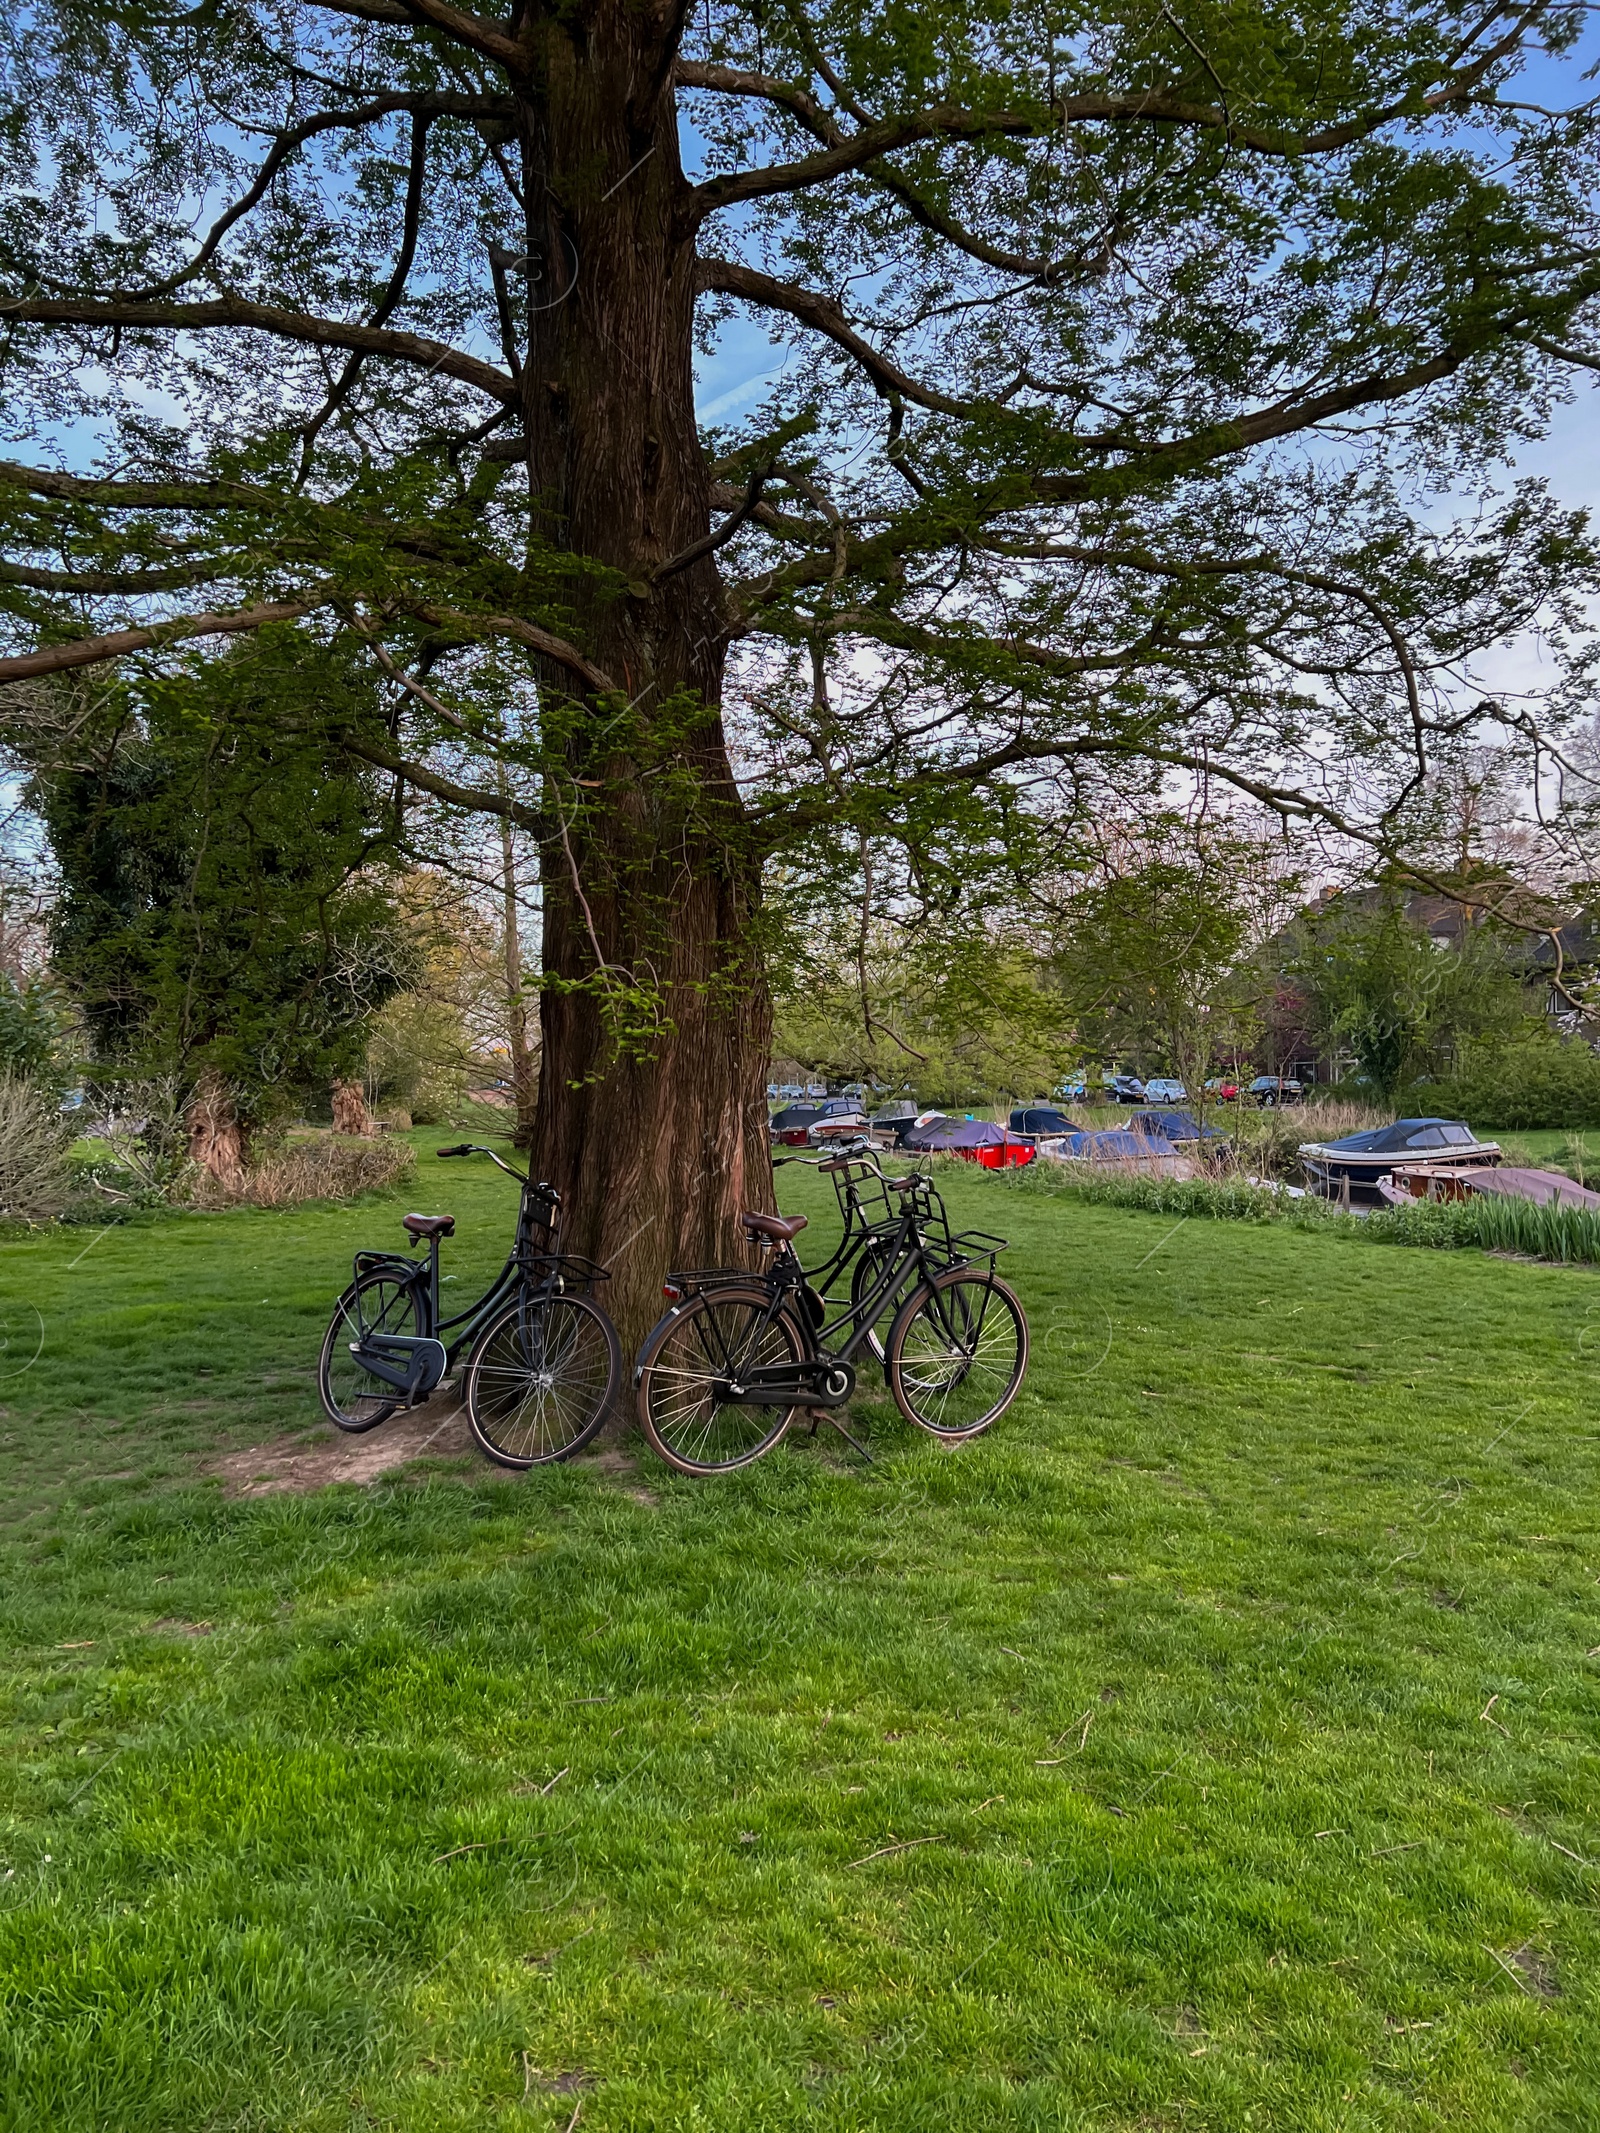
(471, 1148)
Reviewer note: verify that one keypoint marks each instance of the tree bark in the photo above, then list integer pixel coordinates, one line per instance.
(216, 1138)
(524, 1065)
(655, 1015)
(350, 1113)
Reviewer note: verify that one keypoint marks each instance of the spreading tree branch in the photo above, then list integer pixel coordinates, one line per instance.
(476, 32)
(727, 277)
(92, 651)
(236, 311)
(420, 104)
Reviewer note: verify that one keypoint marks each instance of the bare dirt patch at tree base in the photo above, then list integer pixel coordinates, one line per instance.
(296, 1466)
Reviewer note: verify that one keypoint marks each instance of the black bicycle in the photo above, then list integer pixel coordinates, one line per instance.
(724, 1373)
(545, 1362)
(869, 1225)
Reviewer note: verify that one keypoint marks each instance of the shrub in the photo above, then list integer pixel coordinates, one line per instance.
(1540, 1082)
(141, 1124)
(1566, 1234)
(34, 1184)
(33, 1034)
(1218, 1199)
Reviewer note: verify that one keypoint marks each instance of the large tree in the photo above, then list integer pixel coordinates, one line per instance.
(1128, 339)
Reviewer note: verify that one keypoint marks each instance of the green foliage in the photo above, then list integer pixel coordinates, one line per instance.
(1379, 985)
(1062, 502)
(1213, 1199)
(224, 903)
(1152, 946)
(1533, 1082)
(957, 1018)
(34, 1032)
(1566, 1234)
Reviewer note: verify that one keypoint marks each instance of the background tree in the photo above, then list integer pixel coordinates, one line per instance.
(1380, 987)
(222, 912)
(1077, 297)
(1156, 945)
(961, 1018)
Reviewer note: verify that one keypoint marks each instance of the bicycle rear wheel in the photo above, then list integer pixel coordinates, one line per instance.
(957, 1353)
(686, 1367)
(352, 1398)
(541, 1380)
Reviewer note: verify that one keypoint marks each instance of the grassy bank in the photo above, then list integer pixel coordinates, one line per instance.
(1212, 1746)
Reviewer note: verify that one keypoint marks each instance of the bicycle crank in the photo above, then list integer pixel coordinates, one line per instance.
(813, 1384)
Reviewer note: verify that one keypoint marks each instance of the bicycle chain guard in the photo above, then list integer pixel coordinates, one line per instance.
(413, 1364)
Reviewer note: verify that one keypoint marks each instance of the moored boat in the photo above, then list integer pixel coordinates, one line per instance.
(1352, 1168)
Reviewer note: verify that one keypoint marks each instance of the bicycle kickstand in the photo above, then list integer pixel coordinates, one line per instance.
(830, 1416)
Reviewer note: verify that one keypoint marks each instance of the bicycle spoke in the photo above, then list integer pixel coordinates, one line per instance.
(541, 1379)
(716, 1341)
(961, 1357)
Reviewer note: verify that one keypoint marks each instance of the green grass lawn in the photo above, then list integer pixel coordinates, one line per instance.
(1211, 1747)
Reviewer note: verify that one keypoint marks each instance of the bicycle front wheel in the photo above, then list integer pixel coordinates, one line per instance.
(541, 1380)
(687, 1367)
(957, 1353)
(352, 1398)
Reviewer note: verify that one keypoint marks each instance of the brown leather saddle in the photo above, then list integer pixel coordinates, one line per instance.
(772, 1229)
(428, 1225)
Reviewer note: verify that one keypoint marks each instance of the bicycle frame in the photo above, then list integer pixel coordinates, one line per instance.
(414, 1363)
(858, 1226)
(826, 1376)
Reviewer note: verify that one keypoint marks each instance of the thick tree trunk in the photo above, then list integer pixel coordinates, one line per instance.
(524, 1063)
(216, 1138)
(655, 1017)
(350, 1113)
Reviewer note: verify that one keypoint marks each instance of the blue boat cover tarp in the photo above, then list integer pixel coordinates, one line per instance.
(1173, 1126)
(956, 1133)
(1406, 1136)
(1114, 1141)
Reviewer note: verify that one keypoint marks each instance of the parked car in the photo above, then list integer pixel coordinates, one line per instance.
(1124, 1089)
(1223, 1089)
(1274, 1089)
(1164, 1090)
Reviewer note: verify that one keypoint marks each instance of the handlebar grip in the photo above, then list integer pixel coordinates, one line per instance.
(464, 1149)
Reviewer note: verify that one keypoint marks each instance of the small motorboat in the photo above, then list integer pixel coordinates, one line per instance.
(1176, 1127)
(1428, 1181)
(1115, 1148)
(1039, 1119)
(790, 1125)
(977, 1139)
(1352, 1169)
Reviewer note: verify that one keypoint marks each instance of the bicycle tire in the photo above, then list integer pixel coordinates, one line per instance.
(541, 1379)
(950, 1341)
(352, 1398)
(680, 1365)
